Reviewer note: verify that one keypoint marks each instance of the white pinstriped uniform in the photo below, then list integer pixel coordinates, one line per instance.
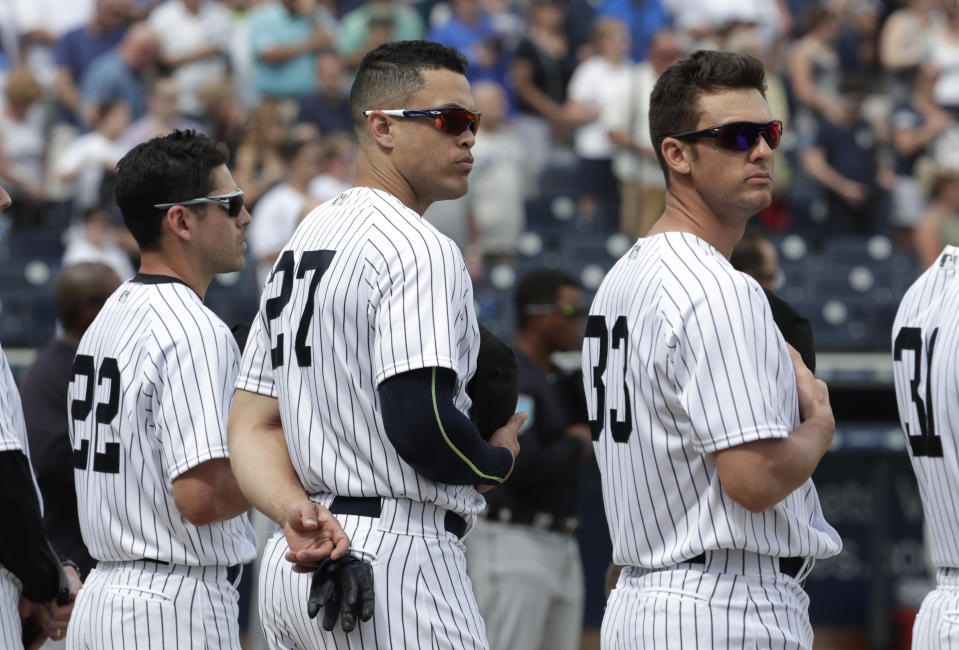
(693, 342)
(153, 380)
(13, 436)
(925, 338)
(384, 293)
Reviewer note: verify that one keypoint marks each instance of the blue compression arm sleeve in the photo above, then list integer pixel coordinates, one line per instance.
(433, 436)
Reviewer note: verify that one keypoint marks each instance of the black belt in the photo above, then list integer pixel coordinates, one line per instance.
(541, 520)
(372, 507)
(789, 566)
(232, 571)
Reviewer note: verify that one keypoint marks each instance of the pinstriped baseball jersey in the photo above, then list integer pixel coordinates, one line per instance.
(153, 379)
(13, 436)
(366, 289)
(682, 359)
(925, 338)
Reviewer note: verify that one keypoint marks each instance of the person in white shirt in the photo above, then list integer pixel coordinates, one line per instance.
(95, 242)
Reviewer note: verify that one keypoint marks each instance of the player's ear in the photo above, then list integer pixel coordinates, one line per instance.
(677, 155)
(178, 221)
(380, 127)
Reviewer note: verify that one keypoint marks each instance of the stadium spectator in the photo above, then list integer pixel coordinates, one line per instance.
(23, 146)
(280, 209)
(939, 225)
(258, 164)
(196, 38)
(466, 29)
(329, 107)
(89, 162)
(95, 240)
(944, 55)
(121, 74)
(285, 36)
(77, 49)
(593, 85)
(226, 118)
(814, 72)
(904, 41)
(373, 23)
(755, 255)
(80, 292)
(642, 189)
(162, 116)
(41, 23)
(338, 167)
(643, 20)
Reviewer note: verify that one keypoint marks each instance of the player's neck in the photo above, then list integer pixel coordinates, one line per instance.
(156, 263)
(535, 349)
(381, 177)
(684, 214)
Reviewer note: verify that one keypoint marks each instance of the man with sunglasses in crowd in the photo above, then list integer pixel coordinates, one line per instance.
(532, 596)
(153, 376)
(351, 390)
(707, 425)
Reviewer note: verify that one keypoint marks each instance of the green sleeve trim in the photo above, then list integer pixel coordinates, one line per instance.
(449, 442)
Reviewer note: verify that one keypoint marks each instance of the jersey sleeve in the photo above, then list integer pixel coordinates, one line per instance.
(256, 369)
(423, 305)
(730, 368)
(199, 372)
(12, 427)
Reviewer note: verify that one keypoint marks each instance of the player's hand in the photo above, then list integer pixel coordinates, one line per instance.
(313, 534)
(813, 395)
(506, 436)
(343, 587)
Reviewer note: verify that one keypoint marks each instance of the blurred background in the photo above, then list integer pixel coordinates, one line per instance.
(867, 184)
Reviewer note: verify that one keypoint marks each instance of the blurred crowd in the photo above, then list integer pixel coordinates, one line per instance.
(868, 91)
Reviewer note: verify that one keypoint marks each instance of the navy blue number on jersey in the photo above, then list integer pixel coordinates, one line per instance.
(926, 442)
(596, 328)
(315, 261)
(107, 461)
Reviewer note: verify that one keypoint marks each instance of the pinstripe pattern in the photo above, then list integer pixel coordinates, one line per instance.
(937, 624)
(932, 303)
(707, 370)
(694, 343)
(143, 606)
(423, 597)
(10, 629)
(396, 297)
(13, 436)
(177, 362)
(929, 307)
(689, 608)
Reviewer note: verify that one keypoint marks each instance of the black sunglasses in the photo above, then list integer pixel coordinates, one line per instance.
(567, 311)
(452, 120)
(737, 136)
(232, 202)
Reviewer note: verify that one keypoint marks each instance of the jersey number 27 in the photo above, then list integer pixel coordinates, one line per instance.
(315, 261)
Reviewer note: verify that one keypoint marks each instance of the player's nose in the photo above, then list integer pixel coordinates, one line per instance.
(244, 218)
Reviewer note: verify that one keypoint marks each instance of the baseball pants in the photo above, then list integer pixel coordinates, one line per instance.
(937, 624)
(528, 584)
(142, 605)
(747, 605)
(424, 598)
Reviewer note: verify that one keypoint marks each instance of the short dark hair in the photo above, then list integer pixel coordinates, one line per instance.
(539, 287)
(389, 75)
(674, 102)
(170, 168)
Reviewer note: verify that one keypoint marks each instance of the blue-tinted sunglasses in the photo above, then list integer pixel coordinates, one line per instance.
(452, 120)
(737, 136)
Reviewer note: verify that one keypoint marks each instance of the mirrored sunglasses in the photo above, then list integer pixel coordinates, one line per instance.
(451, 120)
(737, 136)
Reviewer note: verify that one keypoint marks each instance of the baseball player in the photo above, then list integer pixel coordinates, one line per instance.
(706, 425)
(924, 340)
(158, 505)
(352, 385)
(32, 582)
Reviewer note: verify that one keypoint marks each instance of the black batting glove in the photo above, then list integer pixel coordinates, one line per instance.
(343, 588)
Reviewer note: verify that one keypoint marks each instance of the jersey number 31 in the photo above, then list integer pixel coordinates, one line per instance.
(926, 442)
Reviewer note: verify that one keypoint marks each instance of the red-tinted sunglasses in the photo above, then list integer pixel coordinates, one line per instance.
(448, 120)
(737, 136)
